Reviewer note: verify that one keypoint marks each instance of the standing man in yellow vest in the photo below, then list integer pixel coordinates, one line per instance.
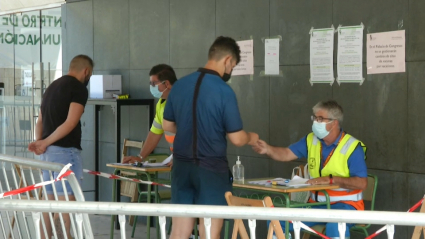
(334, 157)
(162, 78)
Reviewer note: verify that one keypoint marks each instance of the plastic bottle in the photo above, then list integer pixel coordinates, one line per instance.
(238, 171)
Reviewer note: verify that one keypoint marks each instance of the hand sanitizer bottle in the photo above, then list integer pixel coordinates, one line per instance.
(238, 171)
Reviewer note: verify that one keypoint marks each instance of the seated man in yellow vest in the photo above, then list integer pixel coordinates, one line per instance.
(162, 78)
(334, 157)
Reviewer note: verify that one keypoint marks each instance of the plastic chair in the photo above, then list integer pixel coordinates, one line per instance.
(239, 226)
(369, 194)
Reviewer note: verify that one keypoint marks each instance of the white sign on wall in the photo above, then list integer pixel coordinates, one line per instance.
(246, 65)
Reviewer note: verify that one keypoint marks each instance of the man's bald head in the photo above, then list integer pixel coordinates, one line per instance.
(80, 63)
(81, 67)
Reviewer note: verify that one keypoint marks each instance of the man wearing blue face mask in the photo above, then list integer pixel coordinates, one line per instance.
(203, 110)
(162, 78)
(334, 157)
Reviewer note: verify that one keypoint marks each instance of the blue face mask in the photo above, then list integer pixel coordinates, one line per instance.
(319, 129)
(155, 91)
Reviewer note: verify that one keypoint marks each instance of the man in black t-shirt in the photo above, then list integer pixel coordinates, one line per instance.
(58, 129)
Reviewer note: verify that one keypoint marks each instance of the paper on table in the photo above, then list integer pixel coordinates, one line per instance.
(162, 164)
(267, 182)
(122, 164)
(297, 181)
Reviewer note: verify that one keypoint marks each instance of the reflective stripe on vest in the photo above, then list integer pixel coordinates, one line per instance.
(322, 198)
(156, 125)
(169, 137)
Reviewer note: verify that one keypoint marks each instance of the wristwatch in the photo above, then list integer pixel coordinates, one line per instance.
(331, 179)
(140, 156)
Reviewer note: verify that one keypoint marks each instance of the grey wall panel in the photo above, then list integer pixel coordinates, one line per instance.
(291, 101)
(284, 169)
(107, 155)
(87, 123)
(416, 117)
(376, 113)
(391, 196)
(139, 123)
(139, 84)
(255, 17)
(88, 163)
(192, 31)
(111, 34)
(377, 16)
(182, 72)
(293, 21)
(253, 100)
(149, 33)
(79, 31)
(415, 45)
(253, 167)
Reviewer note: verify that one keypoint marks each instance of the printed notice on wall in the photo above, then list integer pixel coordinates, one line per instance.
(271, 59)
(350, 45)
(246, 65)
(386, 52)
(321, 55)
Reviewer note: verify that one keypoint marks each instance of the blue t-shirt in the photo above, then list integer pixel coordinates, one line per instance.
(217, 114)
(356, 162)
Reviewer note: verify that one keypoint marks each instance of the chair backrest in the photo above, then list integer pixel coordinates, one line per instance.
(246, 202)
(129, 143)
(370, 192)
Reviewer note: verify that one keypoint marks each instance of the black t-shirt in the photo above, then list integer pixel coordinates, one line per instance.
(55, 106)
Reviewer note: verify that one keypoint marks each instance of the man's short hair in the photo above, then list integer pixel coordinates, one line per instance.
(332, 107)
(80, 62)
(222, 47)
(164, 72)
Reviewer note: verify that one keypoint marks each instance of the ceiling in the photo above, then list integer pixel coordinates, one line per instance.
(15, 6)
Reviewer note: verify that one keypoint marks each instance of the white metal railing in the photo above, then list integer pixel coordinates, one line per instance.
(207, 212)
(17, 172)
(81, 209)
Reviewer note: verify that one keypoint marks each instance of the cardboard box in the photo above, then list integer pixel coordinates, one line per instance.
(103, 86)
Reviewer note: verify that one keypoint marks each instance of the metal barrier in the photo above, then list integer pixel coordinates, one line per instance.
(19, 172)
(12, 208)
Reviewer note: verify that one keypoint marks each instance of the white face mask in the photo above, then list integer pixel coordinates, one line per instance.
(319, 129)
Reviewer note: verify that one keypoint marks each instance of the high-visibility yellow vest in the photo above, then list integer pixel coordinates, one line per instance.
(337, 166)
(157, 123)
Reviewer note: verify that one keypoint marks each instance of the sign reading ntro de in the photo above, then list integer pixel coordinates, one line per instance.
(25, 29)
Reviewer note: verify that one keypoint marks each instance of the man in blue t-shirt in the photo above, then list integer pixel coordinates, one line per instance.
(202, 110)
(334, 157)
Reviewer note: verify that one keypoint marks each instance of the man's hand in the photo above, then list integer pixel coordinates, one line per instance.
(131, 159)
(38, 147)
(260, 147)
(319, 181)
(253, 138)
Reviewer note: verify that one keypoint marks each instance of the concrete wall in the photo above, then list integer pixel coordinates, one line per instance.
(128, 37)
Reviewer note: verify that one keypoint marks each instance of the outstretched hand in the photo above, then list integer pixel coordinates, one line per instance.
(260, 147)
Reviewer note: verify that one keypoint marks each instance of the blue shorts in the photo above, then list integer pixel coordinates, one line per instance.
(192, 184)
(56, 154)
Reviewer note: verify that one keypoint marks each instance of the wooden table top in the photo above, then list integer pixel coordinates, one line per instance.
(141, 169)
(279, 188)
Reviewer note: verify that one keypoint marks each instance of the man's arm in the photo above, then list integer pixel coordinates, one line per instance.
(169, 126)
(276, 153)
(150, 144)
(241, 138)
(39, 127)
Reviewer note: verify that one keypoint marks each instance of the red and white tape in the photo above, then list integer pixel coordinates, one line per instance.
(418, 204)
(62, 174)
(307, 228)
(113, 176)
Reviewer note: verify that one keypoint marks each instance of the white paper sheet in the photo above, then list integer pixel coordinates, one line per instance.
(321, 55)
(162, 164)
(297, 181)
(246, 65)
(271, 59)
(267, 182)
(350, 53)
(386, 52)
